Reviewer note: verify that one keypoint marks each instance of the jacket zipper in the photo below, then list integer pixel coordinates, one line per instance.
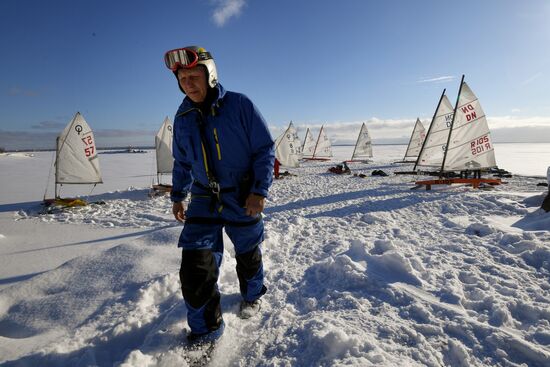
(217, 144)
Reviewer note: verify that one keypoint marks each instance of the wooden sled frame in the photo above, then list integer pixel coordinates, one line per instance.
(359, 161)
(316, 159)
(475, 182)
(160, 190)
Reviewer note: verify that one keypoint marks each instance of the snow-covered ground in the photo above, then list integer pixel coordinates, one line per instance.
(361, 271)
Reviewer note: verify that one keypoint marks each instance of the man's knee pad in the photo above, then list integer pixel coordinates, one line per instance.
(198, 275)
(248, 265)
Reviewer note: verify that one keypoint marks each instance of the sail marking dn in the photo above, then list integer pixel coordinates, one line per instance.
(76, 156)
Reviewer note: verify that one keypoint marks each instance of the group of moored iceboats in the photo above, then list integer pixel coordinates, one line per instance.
(458, 140)
(457, 143)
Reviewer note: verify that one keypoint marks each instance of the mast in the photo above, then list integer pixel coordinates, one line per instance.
(429, 130)
(451, 128)
(410, 140)
(317, 143)
(305, 139)
(56, 157)
(284, 133)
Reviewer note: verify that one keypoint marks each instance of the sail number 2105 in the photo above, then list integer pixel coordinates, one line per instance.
(89, 146)
(480, 145)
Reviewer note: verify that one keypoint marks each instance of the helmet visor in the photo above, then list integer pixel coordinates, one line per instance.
(181, 58)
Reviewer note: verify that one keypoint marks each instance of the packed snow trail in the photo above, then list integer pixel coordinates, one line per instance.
(360, 271)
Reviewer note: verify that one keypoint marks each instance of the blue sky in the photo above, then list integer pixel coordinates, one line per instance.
(338, 63)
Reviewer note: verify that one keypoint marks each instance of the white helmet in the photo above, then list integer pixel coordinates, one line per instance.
(189, 57)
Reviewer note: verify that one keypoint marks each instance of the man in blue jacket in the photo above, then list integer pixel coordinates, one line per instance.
(223, 158)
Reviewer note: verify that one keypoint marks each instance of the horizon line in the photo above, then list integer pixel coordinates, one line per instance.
(152, 147)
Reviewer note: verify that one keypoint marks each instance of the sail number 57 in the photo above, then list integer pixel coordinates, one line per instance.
(89, 148)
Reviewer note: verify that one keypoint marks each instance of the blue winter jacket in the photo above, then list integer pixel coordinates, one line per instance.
(238, 141)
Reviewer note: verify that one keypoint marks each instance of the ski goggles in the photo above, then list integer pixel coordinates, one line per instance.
(184, 58)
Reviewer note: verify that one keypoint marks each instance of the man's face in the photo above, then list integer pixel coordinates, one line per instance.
(193, 83)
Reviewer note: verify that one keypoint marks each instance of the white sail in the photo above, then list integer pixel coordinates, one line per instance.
(76, 158)
(323, 148)
(470, 146)
(288, 150)
(308, 148)
(363, 146)
(431, 155)
(163, 147)
(415, 143)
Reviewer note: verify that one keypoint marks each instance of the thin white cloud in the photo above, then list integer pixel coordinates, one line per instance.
(227, 9)
(439, 79)
(531, 79)
(516, 110)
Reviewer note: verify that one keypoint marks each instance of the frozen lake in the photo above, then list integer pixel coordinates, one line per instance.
(25, 179)
(518, 158)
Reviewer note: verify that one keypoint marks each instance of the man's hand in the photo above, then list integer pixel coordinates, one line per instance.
(254, 204)
(178, 209)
